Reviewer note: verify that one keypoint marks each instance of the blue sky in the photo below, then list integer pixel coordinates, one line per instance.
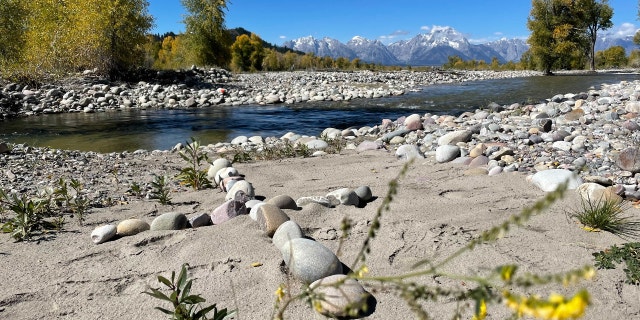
(388, 21)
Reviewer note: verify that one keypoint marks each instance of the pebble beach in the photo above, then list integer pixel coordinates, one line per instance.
(468, 173)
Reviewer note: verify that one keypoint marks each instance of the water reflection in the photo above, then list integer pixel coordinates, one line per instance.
(162, 129)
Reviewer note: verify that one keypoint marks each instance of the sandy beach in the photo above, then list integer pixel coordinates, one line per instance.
(437, 210)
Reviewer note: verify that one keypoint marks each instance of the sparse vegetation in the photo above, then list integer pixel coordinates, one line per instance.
(502, 284)
(161, 190)
(192, 176)
(629, 253)
(28, 219)
(607, 215)
(186, 306)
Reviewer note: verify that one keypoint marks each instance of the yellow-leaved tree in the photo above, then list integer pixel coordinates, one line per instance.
(59, 36)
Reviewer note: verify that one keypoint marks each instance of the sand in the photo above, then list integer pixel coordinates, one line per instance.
(438, 209)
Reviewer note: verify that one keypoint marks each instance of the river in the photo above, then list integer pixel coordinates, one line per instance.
(117, 131)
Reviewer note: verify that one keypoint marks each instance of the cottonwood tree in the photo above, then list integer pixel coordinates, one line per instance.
(247, 53)
(553, 32)
(12, 15)
(594, 16)
(206, 32)
(67, 36)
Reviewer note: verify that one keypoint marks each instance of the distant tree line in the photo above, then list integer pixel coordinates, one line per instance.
(43, 37)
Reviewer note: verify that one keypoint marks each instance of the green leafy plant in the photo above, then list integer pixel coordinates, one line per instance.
(629, 253)
(135, 189)
(503, 283)
(79, 203)
(28, 216)
(186, 306)
(161, 190)
(192, 176)
(607, 215)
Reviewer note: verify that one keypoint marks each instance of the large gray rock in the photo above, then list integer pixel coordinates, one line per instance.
(170, 221)
(309, 260)
(285, 232)
(339, 296)
(549, 180)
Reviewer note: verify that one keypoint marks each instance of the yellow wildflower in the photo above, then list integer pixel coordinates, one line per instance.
(362, 271)
(556, 307)
(280, 292)
(481, 311)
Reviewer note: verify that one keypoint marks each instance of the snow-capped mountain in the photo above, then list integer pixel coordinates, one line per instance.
(321, 47)
(509, 49)
(372, 51)
(432, 48)
(606, 41)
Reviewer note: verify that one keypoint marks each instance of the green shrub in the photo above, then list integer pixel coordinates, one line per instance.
(28, 216)
(186, 306)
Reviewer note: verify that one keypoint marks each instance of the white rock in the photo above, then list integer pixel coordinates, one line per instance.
(346, 196)
(446, 153)
(103, 233)
(549, 180)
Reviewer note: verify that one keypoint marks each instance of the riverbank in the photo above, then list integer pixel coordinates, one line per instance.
(469, 173)
(199, 88)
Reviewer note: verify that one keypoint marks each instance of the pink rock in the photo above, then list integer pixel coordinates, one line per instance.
(413, 122)
(227, 211)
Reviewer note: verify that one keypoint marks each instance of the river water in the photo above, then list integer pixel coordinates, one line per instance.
(116, 131)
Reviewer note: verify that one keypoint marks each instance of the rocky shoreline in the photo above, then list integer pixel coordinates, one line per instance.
(198, 88)
(590, 136)
(594, 133)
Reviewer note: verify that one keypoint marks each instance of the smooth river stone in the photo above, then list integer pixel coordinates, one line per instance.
(309, 260)
(170, 221)
(270, 218)
(368, 145)
(328, 202)
(337, 295)
(240, 185)
(346, 196)
(225, 173)
(629, 160)
(283, 202)
(103, 233)
(216, 166)
(200, 220)
(409, 152)
(596, 193)
(549, 180)
(454, 137)
(447, 153)
(131, 227)
(413, 122)
(317, 144)
(227, 211)
(253, 213)
(364, 193)
(285, 232)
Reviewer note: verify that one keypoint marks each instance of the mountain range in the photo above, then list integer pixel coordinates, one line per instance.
(428, 49)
